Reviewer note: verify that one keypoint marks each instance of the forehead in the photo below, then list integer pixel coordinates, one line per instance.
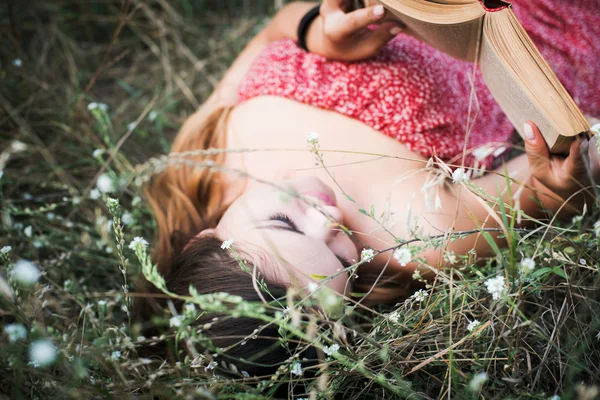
(294, 258)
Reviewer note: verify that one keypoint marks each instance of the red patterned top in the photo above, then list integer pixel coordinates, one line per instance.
(420, 96)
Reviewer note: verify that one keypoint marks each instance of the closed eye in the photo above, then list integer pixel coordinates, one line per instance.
(292, 227)
(286, 220)
(344, 261)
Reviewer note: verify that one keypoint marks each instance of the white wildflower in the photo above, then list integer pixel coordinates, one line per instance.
(115, 355)
(582, 261)
(131, 126)
(112, 202)
(175, 322)
(312, 287)
(93, 105)
(527, 264)
(138, 243)
(226, 245)
(297, 369)
(419, 296)
(26, 273)
(105, 184)
(477, 382)
(28, 231)
(17, 62)
(101, 303)
(152, 115)
(98, 153)
(42, 353)
(367, 255)
(473, 325)
(597, 229)
(312, 138)
(596, 129)
(460, 176)
(17, 146)
(403, 255)
(15, 332)
(5, 249)
(211, 365)
(95, 194)
(38, 244)
(394, 316)
(555, 397)
(127, 218)
(190, 308)
(330, 350)
(496, 286)
(450, 257)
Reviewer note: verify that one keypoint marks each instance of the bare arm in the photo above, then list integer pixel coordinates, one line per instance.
(540, 184)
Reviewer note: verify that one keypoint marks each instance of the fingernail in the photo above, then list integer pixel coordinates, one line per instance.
(395, 30)
(378, 11)
(528, 131)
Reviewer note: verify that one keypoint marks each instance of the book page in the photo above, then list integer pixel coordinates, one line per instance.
(451, 28)
(524, 85)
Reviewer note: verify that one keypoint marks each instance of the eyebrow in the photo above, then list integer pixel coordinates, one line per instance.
(289, 229)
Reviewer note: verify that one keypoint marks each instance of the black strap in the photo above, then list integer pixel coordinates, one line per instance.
(304, 24)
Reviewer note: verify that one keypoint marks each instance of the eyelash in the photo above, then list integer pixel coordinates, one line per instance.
(345, 262)
(285, 219)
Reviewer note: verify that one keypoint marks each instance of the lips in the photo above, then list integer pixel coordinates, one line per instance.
(327, 199)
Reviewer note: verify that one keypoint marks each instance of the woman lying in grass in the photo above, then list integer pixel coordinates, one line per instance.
(297, 217)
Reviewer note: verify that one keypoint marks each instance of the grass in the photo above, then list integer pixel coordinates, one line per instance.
(152, 64)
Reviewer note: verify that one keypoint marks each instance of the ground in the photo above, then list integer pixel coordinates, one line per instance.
(91, 90)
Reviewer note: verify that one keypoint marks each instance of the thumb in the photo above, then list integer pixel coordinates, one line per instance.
(537, 151)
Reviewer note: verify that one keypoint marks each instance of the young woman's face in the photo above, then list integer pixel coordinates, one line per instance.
(293, 224)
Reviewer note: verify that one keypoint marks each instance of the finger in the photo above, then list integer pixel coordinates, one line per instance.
(594, 157)
(538, 153)
(378, 38)
(334, 6)
(353, 22)
(575, 165)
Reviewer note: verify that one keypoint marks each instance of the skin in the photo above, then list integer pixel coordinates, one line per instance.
(293, 224)
(392, 184)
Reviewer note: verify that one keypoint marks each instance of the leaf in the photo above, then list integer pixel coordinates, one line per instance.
(560, 272)
(493, 245)
(356, 294)
(362, 211)
(349, 198)
(318, 277)
(372, 211)
(541, 271)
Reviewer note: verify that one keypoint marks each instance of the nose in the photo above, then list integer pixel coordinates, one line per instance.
(323, 223)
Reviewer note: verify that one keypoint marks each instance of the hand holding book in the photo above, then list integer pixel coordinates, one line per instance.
(342, 34)
(515, 72)
(555, 175)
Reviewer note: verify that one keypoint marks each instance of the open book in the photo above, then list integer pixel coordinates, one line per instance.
(488, 32)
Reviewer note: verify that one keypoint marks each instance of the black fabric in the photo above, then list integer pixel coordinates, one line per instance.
(304, 24)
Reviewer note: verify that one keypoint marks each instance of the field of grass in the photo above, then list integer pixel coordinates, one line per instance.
(89, 91)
